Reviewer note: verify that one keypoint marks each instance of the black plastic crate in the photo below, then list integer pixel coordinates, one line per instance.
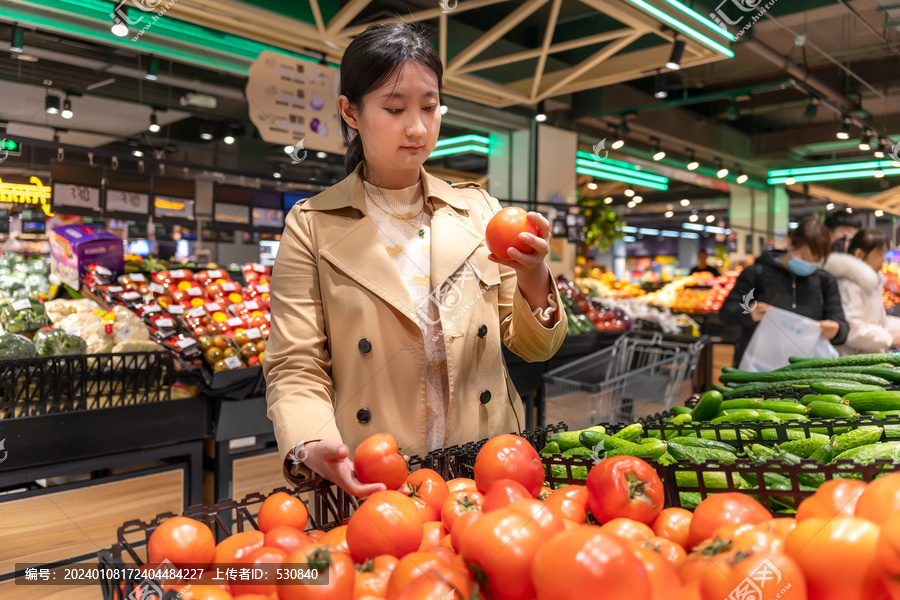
(55, 384)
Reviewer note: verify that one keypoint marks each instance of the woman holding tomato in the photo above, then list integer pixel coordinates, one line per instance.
(388, 309)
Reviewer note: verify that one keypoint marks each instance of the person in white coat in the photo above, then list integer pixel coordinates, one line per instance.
(861, 282)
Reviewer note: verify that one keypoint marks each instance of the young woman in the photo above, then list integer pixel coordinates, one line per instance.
(861, 284)
(388, 310)
(791, 280)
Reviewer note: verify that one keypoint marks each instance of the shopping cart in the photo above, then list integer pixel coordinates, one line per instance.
(636, 377)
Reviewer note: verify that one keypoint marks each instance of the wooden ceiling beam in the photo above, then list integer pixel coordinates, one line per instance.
(422, 15)
(567, 75)
(545, 47)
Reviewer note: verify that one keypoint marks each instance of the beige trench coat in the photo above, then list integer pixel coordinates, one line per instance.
(346, 357)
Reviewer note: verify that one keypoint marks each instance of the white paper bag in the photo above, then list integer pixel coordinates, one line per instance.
(780, 335)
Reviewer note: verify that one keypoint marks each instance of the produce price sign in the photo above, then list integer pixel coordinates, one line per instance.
(127, 202)
(169, 574)
(80, 196)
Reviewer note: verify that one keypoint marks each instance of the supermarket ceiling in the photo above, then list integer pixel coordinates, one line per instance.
(754, 98)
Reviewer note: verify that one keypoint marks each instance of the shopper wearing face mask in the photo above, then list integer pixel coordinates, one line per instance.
(861, 282)
(791, 280)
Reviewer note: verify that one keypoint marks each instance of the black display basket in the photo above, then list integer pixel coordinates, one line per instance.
(57, 384)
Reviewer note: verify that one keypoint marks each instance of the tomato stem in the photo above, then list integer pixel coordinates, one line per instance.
(637, 488)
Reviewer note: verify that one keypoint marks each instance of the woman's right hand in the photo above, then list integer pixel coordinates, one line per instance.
(896, 336)
(331, 460)
(759, 311)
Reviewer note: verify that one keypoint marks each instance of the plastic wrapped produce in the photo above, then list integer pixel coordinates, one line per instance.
(16, 346)
(57, 310)
(22, 315)
(57, 342)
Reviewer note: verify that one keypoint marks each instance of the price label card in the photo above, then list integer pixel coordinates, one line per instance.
(152, 308)
(165, 322)
(115, 289)
(229, 287)
(102, 271)
(157, 289)
(262, 289)
(233, 362)
(251, 305)
(197, 312)
(73, 330)
(176, 309)
(259, 268)
(253, 334)
(214, 274)
(235, 322)
(126, 332)
(138, 277)
(194, 291)
(128, 296)
(269, 317)
(213, 307)
(179, 274)
(21, 304)
(185, 342)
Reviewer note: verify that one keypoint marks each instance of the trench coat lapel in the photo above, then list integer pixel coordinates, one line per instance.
(453, 240)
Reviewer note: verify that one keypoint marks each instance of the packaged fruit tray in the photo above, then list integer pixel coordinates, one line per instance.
(55, 384)
(328, 506)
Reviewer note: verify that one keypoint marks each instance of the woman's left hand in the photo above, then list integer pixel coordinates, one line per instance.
(531, 266)
(829, 329)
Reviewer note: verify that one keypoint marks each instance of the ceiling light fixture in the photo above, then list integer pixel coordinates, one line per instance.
(51, 104)
(685, 202)
(850, 210)
(137, 153)
(154, 123)
(812, 109)
(444, 109)
(742, 178)
(276, 175)
(693, 165)
(693, 218)
(710, 218)
(879, 173)
(829, 206)
(629, 192)
(152, 69)
(660, 86)
(321, 155)
(620, 137)
(207, 131)
(631, 204)
(844, 133)
(15, 39)
(288, 149)
(592, 186)
(637, 199)
(864, 139)
(879, 213)
(669, 214)
(228, 139)
(658, 154)
(608, 200)
(541, 114)
(790, 181)
(883, 148)
(67, 112)
(676, 56)
(119, 28)
(722, 172)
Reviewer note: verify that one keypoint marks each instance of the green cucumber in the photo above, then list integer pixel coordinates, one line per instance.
(590, 439)
(858, 437)
(870, 452)
(791, 417)
(762, 452)
(550, 449)
(681, 410)
(845, 361)
(828, 386)
(654, 449)
(630, 433)
(712, 479)
(682, 419)
(824, 453)
(850, 369)
(883, 413)
(776, 376)
(830, 410)
(708, 405)
(811, 479)
(803, 448)
(739, 403)
(874, 400)
(699, 455)
(780, 406)
(737, 417)
(702, 443)
(566, 440)
(720, 388)
(805, 400)
(559, 472)
(579, 451)
(775, 387)
(768, 415)
(667, 459)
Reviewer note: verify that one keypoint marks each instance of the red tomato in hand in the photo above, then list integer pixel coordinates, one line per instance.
(503, 545)
(260, 558)
(502, 493)
(386, 523)
(509, 457)
(286, 538)
(282, 509)
(181, 541)
(583, 561)
(727, 507)
(623, 486)
(378, 460)
(502, 232)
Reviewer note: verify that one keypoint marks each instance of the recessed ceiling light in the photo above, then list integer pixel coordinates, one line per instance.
(629, 192)
(669, 214)
(693, 218)
(685, 202)
(592, 186)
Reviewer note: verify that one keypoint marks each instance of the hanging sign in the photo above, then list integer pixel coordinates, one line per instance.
(78, 196)
(127, 202)
(22, 193)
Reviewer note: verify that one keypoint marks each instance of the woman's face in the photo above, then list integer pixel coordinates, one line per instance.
(803, 253)
(399, 122)
(874, 259)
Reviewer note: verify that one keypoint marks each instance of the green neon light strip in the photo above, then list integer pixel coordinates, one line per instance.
(831, 168)
(621, 178)
(589, 164)
(712, 25)
(834, 176)
(460, 150)
(684, 28)
(478, 139)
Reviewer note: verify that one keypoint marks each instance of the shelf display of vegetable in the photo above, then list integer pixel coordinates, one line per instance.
(22, 316)
(56, 342)
(16, 346)
(587, 316)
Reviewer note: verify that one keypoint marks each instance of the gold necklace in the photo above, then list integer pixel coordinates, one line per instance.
(401, 216)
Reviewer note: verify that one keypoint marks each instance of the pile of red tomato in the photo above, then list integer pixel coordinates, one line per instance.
(504, 536)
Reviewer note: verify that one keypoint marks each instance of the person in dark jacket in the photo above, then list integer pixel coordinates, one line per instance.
(793, 281)
(843, 226)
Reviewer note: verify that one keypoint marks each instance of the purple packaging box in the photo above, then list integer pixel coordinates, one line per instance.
(74, 247)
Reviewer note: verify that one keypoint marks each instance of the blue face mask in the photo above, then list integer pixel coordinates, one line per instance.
(802, 267)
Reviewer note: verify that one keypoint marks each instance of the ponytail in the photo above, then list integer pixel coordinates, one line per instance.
(354, 154)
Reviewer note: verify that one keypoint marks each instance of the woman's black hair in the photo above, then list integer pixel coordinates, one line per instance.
(868, 240)
(838, 218)
(370, 60)
(814, 234)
